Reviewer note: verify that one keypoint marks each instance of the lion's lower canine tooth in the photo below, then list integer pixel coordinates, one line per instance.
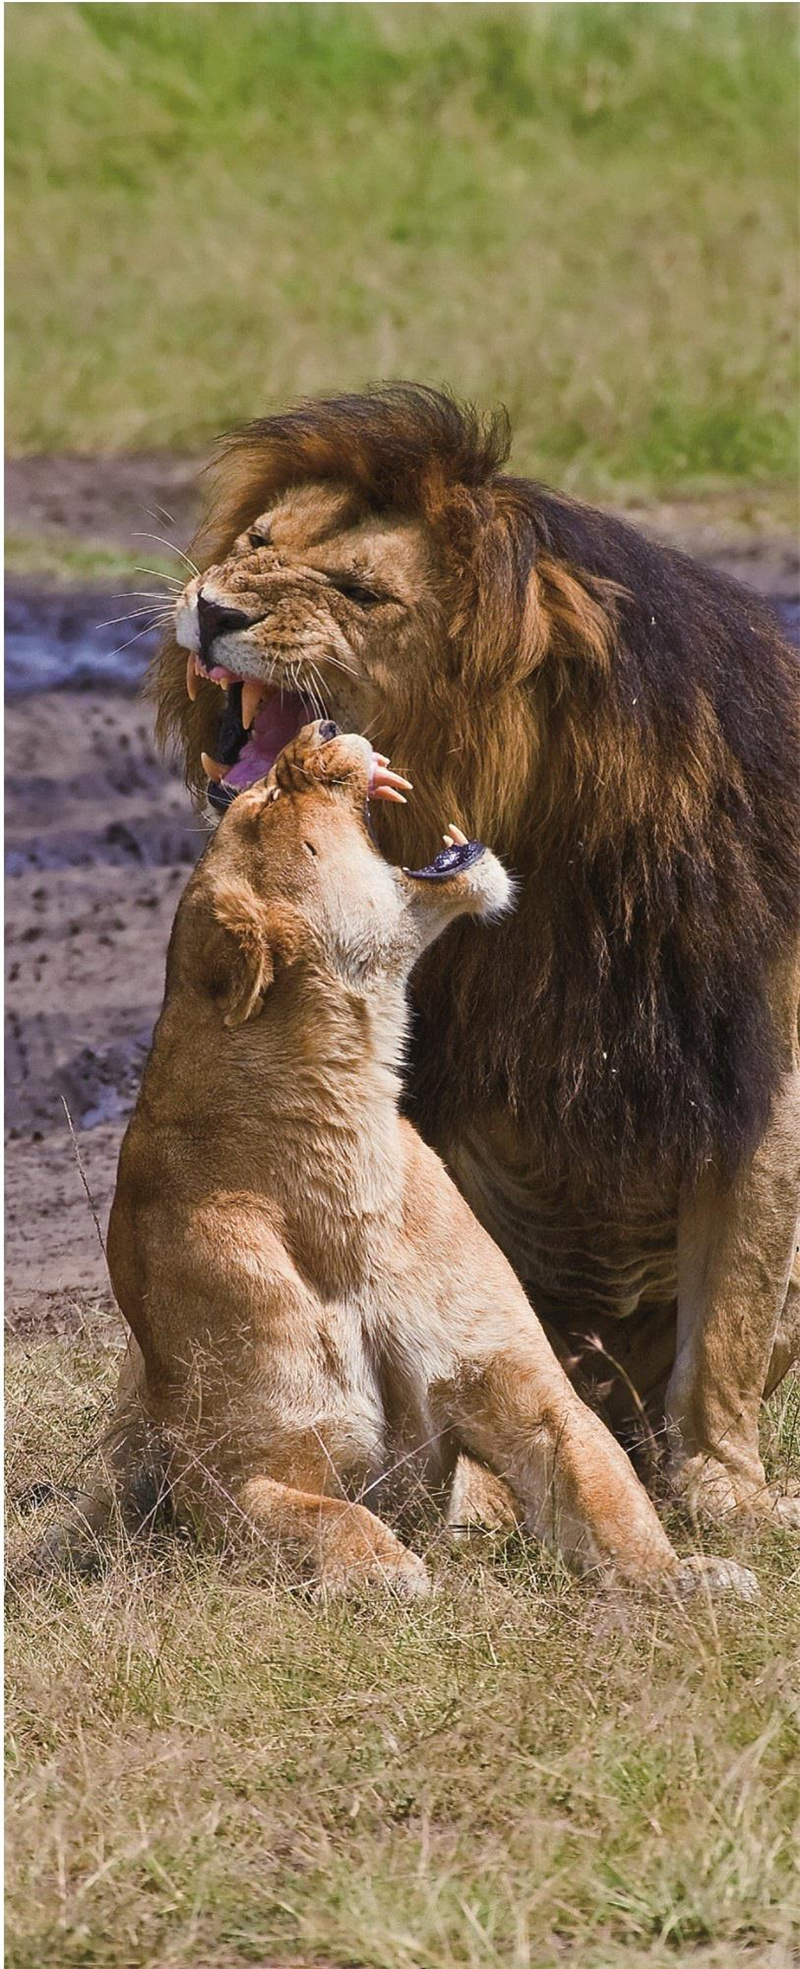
(212, 768)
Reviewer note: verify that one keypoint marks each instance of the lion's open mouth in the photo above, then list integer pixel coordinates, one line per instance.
(256, 724)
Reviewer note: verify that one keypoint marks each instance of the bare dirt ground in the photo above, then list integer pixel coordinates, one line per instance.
(100, 837)
(97, 498)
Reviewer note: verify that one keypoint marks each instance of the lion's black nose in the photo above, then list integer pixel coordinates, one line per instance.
(213, 620)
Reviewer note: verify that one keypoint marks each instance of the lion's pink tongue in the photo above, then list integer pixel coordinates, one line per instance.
(279, 718)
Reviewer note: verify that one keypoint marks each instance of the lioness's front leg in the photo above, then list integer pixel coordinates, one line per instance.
(735, 1252)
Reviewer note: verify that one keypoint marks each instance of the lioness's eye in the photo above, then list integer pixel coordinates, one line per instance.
(310, 846)
(357, 591)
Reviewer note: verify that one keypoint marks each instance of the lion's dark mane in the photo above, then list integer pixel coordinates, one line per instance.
(658, 895)
(623, 1012)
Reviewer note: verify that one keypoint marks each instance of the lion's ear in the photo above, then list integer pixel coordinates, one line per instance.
(245, 942)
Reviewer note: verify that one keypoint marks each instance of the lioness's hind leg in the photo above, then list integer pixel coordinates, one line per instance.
(346, 1546)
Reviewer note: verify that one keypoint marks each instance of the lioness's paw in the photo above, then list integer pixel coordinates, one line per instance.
(406, 1578)
(714, 1577)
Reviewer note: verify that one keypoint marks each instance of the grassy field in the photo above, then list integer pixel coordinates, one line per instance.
(206, 1768)
(587, 211)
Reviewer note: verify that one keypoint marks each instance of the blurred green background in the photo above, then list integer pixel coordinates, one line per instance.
(589, 212)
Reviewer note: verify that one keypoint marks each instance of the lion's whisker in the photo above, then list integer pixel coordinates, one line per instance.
(132, 639)
(112, 620)
(171, 548)
(171, 579)
(160, 513)
(348, 668)
(150, 594)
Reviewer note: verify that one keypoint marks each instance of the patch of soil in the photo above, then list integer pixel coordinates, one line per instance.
(102, 498)
(100, 839)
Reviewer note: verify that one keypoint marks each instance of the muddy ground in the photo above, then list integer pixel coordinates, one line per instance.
(100, 837)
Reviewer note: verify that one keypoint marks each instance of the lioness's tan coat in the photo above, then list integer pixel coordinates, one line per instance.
(316, 1311)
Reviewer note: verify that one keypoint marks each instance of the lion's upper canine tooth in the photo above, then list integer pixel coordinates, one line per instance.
(252, 694)
(192, 685)
(212, 768)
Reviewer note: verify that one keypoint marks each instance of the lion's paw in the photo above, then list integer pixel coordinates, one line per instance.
(715, 1577)
(713, 1495)
(780, 1508)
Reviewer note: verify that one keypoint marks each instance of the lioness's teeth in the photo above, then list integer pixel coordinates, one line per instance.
(212, 768)
(192, 685)
(252, 694)
(381, 782)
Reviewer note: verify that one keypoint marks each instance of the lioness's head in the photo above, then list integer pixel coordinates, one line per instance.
(294, 873)
(364, 559)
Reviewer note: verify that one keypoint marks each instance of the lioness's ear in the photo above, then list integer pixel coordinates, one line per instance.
(245, 942)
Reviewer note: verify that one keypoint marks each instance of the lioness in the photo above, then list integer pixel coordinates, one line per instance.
(616, 1092)
(316, 1310)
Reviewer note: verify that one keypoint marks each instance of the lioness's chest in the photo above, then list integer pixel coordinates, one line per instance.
(373, 1415)
(579, 1262)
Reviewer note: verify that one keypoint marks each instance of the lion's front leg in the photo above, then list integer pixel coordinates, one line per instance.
(735, 1252)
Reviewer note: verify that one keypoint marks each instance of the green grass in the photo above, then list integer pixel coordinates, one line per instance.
(206, 1768)
(587, 211)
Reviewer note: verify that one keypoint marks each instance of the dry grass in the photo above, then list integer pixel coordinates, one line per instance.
(589, 212)
(205, 1767)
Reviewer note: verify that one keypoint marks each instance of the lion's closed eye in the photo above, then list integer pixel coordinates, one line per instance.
(357, 591)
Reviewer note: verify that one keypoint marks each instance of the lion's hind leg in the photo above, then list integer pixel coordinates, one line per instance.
(786, 1344)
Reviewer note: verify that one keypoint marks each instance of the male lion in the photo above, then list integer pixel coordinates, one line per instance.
(615, 1085)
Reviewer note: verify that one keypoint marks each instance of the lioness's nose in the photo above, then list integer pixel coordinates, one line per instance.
(214, 620)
